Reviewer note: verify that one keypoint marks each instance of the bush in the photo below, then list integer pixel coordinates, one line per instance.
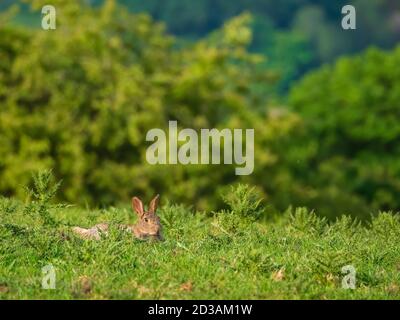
(244, 201)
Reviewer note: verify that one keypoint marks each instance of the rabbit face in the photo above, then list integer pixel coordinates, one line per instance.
(149, 223)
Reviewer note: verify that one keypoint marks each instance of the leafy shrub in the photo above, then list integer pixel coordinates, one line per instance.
(41, 194)
(244, 201)
(81, 99)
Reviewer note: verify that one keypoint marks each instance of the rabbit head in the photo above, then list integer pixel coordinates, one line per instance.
(149, 223)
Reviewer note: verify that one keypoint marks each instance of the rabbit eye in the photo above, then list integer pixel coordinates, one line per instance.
(146, 220)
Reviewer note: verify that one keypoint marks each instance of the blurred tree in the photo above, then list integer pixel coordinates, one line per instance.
(80, 99)
(351, 113)
(296, 25)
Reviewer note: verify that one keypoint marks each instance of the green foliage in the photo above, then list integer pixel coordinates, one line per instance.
(200, 258)
(244, 201)
(352, 135)
(307, 222)
(296, 35)
(81, 99)
(42, 192)
(288, 52)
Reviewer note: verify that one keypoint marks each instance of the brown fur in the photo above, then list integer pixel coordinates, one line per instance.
(148, 226)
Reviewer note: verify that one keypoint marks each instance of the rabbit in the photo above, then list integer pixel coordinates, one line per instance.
(148, 226)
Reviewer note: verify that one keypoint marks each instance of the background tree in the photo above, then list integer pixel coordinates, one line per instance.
(81, 99)
(351, 112)
(283, 29)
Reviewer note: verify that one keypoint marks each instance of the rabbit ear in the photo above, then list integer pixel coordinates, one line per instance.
(137, 206)
(154, 204)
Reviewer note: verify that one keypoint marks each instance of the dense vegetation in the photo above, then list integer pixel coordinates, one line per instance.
(351, 111)
(229, 254)
(295, 35)
(80, 100)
